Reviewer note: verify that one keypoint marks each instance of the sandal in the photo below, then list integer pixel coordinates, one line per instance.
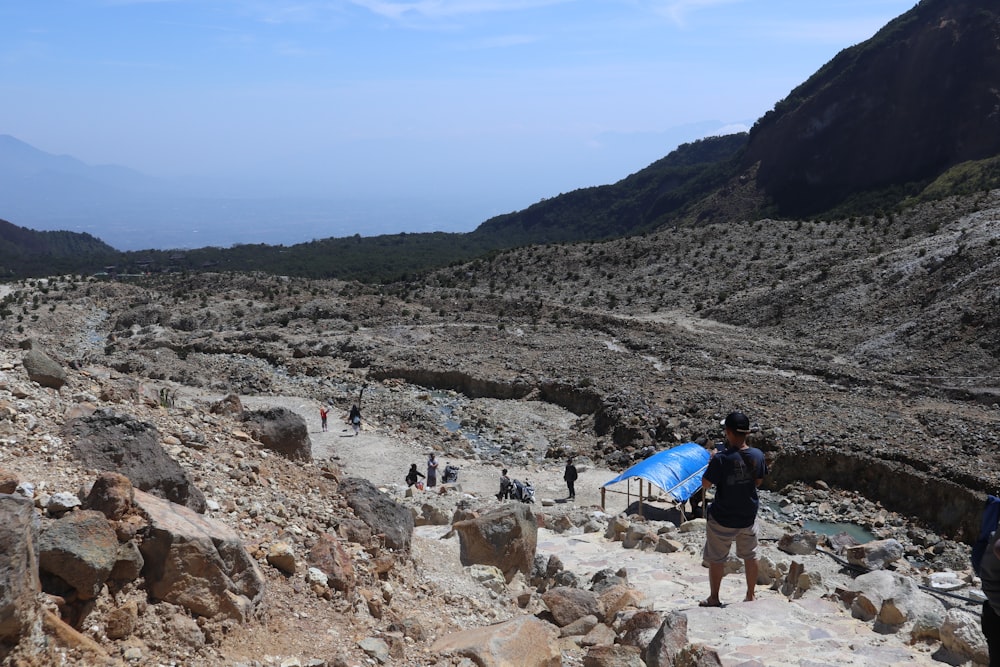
(709, 603)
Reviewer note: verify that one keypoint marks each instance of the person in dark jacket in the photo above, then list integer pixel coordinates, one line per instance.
(413, 476)
(570, 476)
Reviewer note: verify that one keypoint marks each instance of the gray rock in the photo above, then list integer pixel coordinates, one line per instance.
(961, 634)
(118, 443)
(61, 502)
(379, 512)
(608, 654)
(282, 431)
(41, 368)
(80, 549)
(799, 544)
(18, 567)
(875, 555)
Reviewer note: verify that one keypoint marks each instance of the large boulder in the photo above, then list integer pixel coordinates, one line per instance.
(506, 537)
(525, 641)
(381, 513)
(114, 442)
(281, 431)
(18, 567)
(41, 368)
(197, 563)
(79, 550)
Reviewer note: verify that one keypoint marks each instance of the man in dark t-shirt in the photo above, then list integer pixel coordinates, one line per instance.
(732, 517)
(989, 572)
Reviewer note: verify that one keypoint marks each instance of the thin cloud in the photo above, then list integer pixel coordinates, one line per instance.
(678, 11)
(440, 9)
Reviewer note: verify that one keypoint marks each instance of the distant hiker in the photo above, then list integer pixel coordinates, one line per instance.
(506, 486)
(732, 517)
(355, 418)
(989, 572)
(413, 476)
(322, 416)
(432, 470)
(570, 476)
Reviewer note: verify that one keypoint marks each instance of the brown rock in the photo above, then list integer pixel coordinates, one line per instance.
(525, 641)
(80, 549)
(579, 627)
(112, 495)
(506, 537)
(230, 405)
(568, 604)
(8, 481)
(614, 655)
(330, 556)
(640, 628)
(19, 566)
(120, 623)
(615, 598)
(197, 563)
(696, 655)
(668, 642)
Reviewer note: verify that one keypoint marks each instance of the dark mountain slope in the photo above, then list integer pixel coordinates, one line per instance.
(634, 204)
(26, 252)
(886, 117)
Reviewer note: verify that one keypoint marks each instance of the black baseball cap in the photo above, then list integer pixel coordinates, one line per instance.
(737, 421)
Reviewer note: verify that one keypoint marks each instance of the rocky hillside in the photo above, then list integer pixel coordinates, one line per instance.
(886, 117)
(863, 350)
(871, 339)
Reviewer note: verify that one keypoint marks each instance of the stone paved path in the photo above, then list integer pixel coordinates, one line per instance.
(772, 631)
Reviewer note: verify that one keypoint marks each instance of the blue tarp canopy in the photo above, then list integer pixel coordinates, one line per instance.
(677, 471)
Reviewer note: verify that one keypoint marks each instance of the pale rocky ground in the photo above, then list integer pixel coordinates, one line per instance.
(874, 337)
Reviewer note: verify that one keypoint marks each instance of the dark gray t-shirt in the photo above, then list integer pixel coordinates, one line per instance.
(734, 473)
(989, 572)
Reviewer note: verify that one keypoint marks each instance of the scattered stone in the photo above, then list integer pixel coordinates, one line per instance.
(281, 556)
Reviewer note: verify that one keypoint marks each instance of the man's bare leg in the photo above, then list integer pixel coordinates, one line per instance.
(715, 573)
(750, 565)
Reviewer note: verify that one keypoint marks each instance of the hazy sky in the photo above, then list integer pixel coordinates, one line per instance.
(519, 98)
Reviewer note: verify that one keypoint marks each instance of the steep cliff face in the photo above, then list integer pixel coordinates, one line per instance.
(920, 96)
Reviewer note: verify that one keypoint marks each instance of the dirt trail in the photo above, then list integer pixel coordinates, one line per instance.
(383, 459)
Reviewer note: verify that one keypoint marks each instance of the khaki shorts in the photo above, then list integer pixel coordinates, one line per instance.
(718, 540)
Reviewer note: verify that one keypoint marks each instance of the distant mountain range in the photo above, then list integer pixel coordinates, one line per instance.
(913, 113)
